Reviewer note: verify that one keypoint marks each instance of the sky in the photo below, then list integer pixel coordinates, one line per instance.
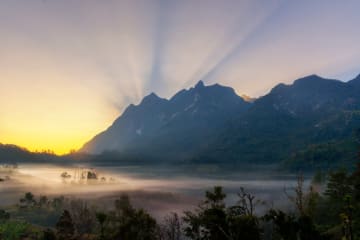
(68, 68)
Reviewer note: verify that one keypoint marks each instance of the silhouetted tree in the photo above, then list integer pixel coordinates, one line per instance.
(58, 202)
(242, 226)
(355, 178)
(28, 200)
(171, 227)
(127, 223)
(49, 234)
(101, 218)
(43, 201)
(307, 229)
(82, 216)
(209, 220)
(299, 198)
(212, 220)
(286, 226)
(339, 185)
(4, 216)
(65, 226)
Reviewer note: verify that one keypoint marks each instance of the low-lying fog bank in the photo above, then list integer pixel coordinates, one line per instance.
(160, 190)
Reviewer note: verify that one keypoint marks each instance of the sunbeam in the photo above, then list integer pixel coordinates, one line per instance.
(103, 55)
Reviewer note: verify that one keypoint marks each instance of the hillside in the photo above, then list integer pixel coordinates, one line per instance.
(211, 124)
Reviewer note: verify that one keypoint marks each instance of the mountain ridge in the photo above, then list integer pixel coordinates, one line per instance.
(213, 124)
(157, 114)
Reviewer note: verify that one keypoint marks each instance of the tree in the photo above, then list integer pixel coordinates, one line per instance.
(58, 202)
(355, 178)
(83, 217)
(299, 198)
(14, 230)
(286, 226)
(247, 202)
(129, 223)
(347, 219)
(209, 220)
(49, 234)
(244, 227)
(43, 201)
(4, 216)
(171, 227)
(243, 224)
(65, 226)
(28, 200)
(101, 218)
(138, 225)
(212, 220)
(307, 229)
(339, 185)
(215, 199)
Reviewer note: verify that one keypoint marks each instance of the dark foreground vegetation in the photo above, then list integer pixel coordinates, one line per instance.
(329, 213)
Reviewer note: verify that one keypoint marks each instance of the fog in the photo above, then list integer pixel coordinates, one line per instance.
(158, 189)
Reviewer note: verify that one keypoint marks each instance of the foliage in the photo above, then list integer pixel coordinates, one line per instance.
(170, 229)
(83, 217)
(65, 226)
(339, 185)
(323, 156)
(127, 223)
(4, 216)
(329, 214)
(101, 218)
(49, 234)
(15, 230)
(213, 220)
(28, 200)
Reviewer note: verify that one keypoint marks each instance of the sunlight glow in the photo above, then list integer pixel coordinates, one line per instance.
(69, 68)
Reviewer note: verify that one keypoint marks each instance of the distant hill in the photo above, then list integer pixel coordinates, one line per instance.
(12, 154)
(211, 124)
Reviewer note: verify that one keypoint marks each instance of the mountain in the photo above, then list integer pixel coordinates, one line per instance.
(12, 154)
(173, 128)
(212, 124)
(312, 111)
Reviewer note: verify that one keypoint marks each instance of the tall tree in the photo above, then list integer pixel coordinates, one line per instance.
(101, 218)
(171, 227)
(130, 223)
(209, 220)
(339, 185)
(65, 226)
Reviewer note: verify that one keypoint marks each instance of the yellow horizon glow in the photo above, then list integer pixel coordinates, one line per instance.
(57, 146)
(60, 137)
(69, 68)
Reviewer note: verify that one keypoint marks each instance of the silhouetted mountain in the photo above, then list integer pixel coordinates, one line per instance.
(174, 127)
(311, 111)
(355, 81)
(213, 124)
(12, 154)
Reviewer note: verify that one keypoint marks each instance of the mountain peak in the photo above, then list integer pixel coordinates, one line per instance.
(355, 81)
(357, 78)
(152, 97)
(312, 77)
(200, 84)
(314, 81)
